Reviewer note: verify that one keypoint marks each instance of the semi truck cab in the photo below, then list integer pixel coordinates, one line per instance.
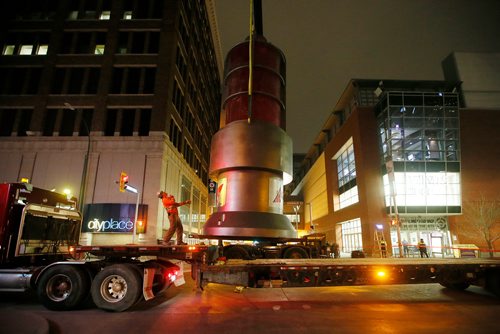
(37, 227)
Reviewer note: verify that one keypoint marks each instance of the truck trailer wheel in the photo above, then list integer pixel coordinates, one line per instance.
(63, 287)
(116, 288)
(455, 285)
(236, 252)
(453, 279)
(295, 253)
(493, 282)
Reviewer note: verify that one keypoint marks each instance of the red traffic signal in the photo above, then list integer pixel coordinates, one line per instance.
(123, 181)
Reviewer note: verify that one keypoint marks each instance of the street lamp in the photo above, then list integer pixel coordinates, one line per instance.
(83, 182)
(134, 190)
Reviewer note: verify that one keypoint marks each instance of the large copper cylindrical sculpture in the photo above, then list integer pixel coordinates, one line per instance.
(251, 154)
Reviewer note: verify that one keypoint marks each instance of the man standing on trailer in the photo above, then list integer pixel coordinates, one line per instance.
(173, 217)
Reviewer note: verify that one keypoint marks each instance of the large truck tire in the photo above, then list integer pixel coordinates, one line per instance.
(455, 285)
(453, 279)
(63, 287)
(116, 288)
(295, 253)
(236, 252)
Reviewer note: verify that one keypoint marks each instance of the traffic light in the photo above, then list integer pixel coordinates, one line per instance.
(123, 181)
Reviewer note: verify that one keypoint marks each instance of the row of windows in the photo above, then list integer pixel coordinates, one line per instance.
(20, 81)
(25, 49)
(66, 122)
(410, 99)
(129, 42)
(62, 122)
(428, 166)
(419, 126)
(133, 80)
(409, 112)
(125, 121)
(15, 121)
(88, 9)
(78, 80)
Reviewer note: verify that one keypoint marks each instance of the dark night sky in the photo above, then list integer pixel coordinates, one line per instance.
(329, 42)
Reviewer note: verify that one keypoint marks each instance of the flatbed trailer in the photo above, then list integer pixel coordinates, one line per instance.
(451, 273)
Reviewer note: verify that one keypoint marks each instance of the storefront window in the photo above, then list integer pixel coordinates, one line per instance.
(351, 235)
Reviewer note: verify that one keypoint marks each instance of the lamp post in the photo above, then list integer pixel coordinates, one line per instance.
(134, 190)
(83, 182)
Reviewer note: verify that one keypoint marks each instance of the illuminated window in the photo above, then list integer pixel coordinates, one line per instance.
(348, 197)
(42, 50)
(105, 15)
(26, 50)
(127, 15)
(73, 15)
(8, 50)
(425, 190)
(419, 132)
(351, 235)
(346, 175)
(99, 49)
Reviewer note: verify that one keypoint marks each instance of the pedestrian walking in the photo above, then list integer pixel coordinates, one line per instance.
(422, 248)
(173, 217)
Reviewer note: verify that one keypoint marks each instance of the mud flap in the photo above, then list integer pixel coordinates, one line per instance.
(147, 283)
(180, 275)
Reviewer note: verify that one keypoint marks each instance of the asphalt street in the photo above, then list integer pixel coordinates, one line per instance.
(422, 308)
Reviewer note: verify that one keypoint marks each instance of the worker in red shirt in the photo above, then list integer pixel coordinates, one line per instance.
(173, 217)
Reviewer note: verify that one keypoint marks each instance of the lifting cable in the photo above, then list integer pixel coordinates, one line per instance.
(250, 62)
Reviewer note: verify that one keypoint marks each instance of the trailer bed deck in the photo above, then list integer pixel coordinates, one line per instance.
(358, 271)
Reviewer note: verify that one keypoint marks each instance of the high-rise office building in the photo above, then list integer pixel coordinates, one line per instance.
(93, 88)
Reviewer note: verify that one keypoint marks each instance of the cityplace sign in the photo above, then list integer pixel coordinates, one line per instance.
(110, 225)
(111, 217)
